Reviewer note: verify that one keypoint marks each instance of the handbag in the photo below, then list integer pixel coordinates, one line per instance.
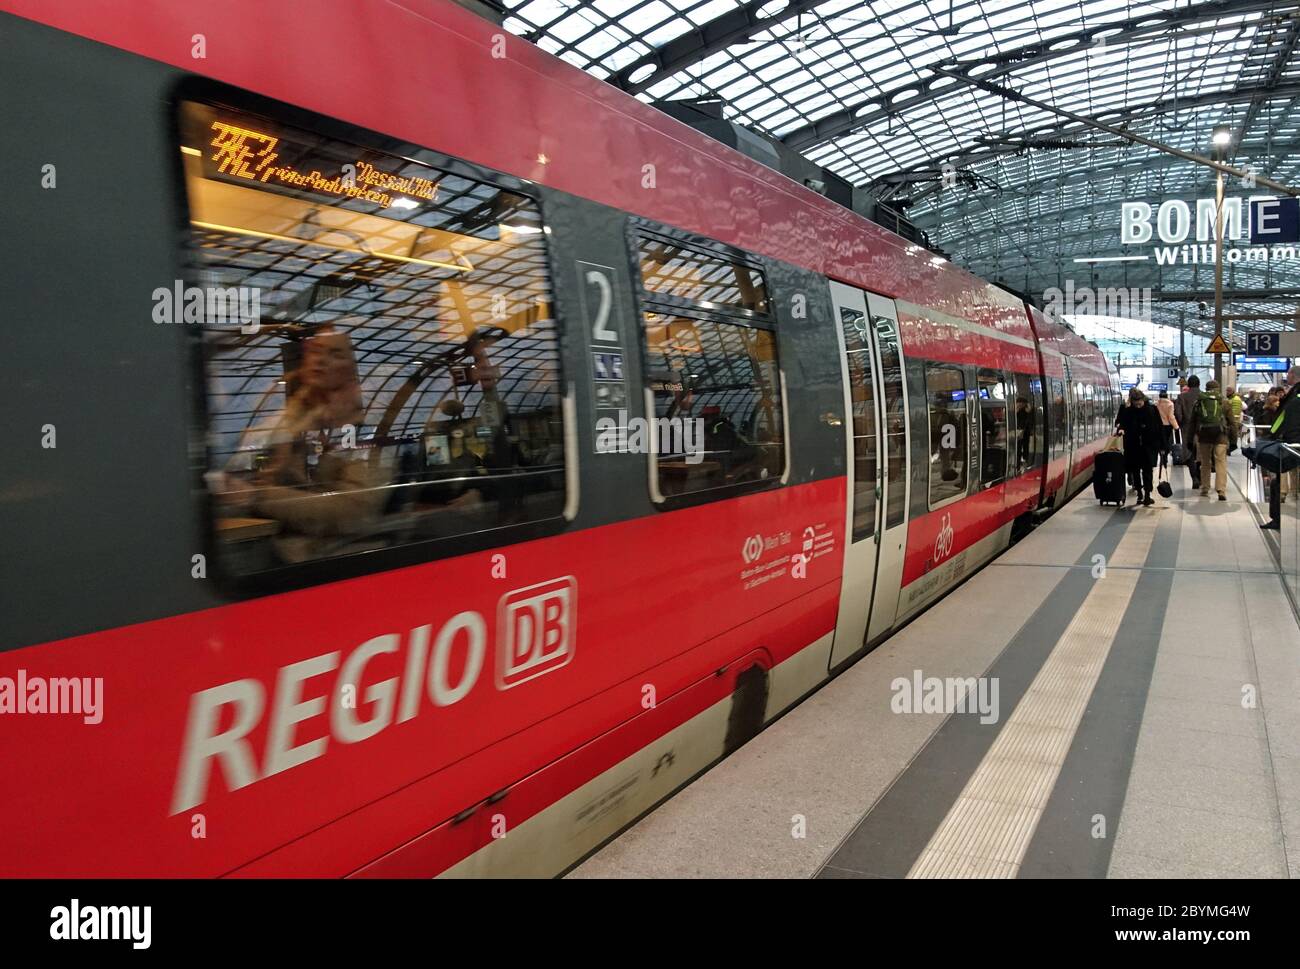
(1164, 488)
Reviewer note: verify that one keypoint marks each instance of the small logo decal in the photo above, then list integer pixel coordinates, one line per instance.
(535, 630)
(943, 541)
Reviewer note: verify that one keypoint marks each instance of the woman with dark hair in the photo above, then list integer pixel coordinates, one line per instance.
(1140, 426)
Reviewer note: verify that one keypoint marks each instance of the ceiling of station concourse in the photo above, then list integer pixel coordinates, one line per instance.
(866, 89)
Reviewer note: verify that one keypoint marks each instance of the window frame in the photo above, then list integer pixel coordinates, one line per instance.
(931, 504)
(645, 301)
(286, 578)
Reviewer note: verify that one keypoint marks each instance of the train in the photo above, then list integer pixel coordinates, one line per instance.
(426, 458)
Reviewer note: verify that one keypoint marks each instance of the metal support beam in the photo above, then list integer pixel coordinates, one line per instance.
(733, 27)
(1124, 133)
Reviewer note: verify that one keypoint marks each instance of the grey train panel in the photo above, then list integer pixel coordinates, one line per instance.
(98, 531)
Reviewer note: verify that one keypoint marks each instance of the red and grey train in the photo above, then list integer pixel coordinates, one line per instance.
(424, 458)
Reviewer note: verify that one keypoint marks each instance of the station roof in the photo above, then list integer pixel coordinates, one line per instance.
(886, 95)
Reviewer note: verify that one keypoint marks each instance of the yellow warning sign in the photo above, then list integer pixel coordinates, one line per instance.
(1218, 345)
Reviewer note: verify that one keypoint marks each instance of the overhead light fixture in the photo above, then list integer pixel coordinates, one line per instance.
(521, 229)
(1222, 136)
(400, 203)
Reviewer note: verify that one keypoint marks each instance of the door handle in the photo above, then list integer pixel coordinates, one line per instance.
(833, 420)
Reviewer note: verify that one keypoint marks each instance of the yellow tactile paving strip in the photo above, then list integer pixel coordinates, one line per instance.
(990, 825)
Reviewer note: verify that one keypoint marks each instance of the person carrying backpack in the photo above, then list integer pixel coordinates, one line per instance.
(1209, 429)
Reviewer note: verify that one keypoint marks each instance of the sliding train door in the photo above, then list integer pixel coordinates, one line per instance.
(875, 441)
(891, 529)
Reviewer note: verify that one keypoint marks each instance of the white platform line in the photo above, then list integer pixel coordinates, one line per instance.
(988, 829)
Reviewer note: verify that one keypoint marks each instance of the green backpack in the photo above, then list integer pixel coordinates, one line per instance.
(1210, 425)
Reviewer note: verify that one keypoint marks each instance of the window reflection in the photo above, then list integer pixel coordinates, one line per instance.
(720, 381)
(949, 416)
(401, 380)
(712, 366)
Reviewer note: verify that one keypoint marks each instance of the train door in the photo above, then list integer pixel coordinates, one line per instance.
(864, 472)
(1071, 422)
(894, 448)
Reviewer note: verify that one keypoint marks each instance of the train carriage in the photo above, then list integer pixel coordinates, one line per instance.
(427, 458)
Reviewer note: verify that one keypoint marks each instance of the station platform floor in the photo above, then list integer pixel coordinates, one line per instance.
(1148, 724)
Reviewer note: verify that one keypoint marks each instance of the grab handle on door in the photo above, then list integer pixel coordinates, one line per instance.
(834, 420)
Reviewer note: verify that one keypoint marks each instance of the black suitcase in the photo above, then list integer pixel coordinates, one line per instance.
(1109, 482)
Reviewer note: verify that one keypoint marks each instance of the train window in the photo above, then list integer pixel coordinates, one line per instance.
(720, 379)
(712, 366)
(993, 427)
(1090, 403)
(945, 390)
(1029, 423)
(382, 364)
(895, 429)
(1059, 417)
(670, 269)
(863, 395)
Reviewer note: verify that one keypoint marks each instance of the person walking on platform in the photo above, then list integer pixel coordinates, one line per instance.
(1140, 427)
(1285, 428)
(1235, 407)
(1168, 423)
(1183, 417)
(1209, 429)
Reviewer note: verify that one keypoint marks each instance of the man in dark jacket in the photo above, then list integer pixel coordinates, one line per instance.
(1286, 428)
(1138, 423)
(1183, 415)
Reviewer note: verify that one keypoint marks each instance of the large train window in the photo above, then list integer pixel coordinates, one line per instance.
(1029, 423)
(993, 427)
(1059, 417)
(712, 367)
(382, 362)
(945, 391)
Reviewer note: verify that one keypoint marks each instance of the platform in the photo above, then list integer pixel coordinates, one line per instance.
(1148, 724)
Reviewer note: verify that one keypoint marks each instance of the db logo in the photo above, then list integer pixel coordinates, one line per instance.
(753, 549)
(536, 629)
(943, 541)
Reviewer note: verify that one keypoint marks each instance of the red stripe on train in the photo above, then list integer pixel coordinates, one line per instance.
(90, 800)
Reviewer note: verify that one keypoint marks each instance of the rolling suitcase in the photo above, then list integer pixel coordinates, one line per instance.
(1109, 482)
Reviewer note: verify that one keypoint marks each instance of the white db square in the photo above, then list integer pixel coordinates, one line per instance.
(535, 630)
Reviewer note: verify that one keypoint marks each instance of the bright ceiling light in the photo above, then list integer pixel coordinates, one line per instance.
(1222, 136)
(401, 203)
